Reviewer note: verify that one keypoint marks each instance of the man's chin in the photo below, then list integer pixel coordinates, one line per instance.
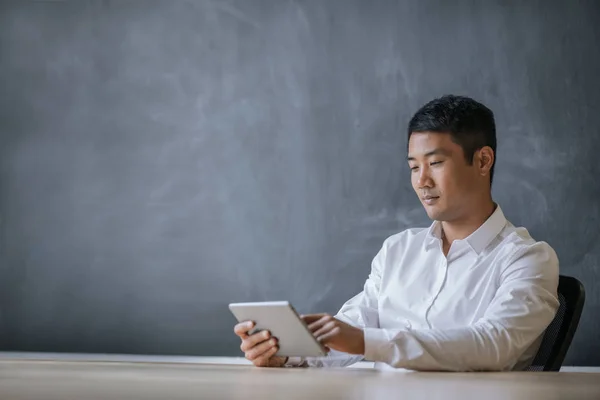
(435, 215)
(432, 216)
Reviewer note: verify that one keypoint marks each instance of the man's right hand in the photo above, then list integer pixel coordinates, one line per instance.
(260, 347)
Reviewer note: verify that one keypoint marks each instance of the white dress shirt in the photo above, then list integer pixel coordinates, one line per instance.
(483, 307)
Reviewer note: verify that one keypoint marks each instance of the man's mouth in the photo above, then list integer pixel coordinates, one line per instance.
(429, 200)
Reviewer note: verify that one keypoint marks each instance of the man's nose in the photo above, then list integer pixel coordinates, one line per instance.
(424, 180)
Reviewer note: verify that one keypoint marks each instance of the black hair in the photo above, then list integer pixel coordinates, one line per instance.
(470, 124)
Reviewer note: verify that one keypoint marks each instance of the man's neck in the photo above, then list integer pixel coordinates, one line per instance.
(460, 229)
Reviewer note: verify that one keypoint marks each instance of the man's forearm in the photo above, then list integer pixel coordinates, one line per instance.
(484, 347)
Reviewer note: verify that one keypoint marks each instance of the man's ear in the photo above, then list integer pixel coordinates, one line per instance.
(485, 160)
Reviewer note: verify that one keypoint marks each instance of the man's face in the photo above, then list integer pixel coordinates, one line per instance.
(446, 185)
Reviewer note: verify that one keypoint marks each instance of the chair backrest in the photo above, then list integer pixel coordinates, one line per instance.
(559, 334)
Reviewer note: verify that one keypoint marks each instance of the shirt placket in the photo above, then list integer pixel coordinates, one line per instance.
(442, 274)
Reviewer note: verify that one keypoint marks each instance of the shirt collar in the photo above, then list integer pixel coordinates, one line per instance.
(479, 239)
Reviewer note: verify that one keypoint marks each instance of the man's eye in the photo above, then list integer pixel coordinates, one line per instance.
(436, 162)
(414, 168)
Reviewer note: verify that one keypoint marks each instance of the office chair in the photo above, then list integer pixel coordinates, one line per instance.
(558, 335)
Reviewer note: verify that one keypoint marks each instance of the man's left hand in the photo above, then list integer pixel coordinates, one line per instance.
(336, 334)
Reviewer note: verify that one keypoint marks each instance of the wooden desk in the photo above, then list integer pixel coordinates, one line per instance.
(72, 378)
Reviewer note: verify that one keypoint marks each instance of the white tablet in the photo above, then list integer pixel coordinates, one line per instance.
(284, 323)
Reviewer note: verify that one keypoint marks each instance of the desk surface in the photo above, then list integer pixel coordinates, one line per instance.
(69, 378)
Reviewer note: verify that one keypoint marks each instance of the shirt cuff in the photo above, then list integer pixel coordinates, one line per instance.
(376, 345)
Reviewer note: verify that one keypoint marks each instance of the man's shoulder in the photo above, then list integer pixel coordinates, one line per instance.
(519, 247)
(517, 240)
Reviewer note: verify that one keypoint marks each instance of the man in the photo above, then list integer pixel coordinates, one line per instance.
(470, 293)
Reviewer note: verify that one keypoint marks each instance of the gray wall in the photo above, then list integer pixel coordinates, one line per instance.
(159, 160)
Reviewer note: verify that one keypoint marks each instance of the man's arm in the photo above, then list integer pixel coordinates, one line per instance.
(361, 311)
(523, 307)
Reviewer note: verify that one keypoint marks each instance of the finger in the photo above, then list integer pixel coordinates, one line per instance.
(324, 329)
(310, 318)
(258, 350)
(263, 360)
(329, 335)
(255, 339)
(242, 328)
(320, 322)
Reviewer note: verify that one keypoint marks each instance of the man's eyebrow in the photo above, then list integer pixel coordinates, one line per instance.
(434, 152)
